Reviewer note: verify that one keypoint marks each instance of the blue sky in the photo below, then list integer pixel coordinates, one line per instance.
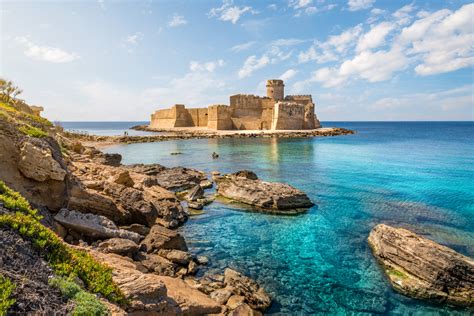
(360, 59)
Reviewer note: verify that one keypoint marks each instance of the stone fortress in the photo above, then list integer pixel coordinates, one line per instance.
(245, 112)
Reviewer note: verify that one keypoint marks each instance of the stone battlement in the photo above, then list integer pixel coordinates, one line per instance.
(275, 111)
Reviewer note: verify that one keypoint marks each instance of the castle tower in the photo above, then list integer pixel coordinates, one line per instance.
(275, 89)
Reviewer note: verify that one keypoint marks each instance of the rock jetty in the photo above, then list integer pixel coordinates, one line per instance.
(420, 268)
(244, 186)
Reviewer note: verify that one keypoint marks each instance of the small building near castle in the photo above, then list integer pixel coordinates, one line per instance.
(245, 112)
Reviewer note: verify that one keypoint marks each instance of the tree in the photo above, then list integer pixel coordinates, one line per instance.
(8, 91)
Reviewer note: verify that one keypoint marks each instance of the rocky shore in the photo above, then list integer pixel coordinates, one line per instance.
(125, 217)
(164, 135)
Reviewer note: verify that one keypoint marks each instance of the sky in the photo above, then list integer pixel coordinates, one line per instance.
(362, 60)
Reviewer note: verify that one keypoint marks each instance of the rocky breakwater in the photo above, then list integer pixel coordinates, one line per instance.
(421, 268)
(244, 186)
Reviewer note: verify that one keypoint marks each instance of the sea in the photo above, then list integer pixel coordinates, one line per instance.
(417, 175)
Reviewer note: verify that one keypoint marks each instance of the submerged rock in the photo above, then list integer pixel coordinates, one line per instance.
(254, 295)
(243, 187)
(197, 192)
(94, 226)
(421, 268)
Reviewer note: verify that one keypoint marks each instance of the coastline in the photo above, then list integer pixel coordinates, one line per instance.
(196, 133)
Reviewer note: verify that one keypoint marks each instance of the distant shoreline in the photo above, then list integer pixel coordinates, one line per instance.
(194, 133)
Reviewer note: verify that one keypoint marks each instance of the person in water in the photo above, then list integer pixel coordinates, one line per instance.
(215, 155)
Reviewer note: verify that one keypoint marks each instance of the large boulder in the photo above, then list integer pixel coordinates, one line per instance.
(169, 211)
(93, 226)
(152, 294)
(119, 246)
(175, 179)
(421, 268)
(274, 196)
(90, 201)
(163, 238)
(37, 163)
(146, 293)
(255, 296)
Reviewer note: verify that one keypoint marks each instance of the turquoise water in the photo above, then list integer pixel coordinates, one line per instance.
(416, 175)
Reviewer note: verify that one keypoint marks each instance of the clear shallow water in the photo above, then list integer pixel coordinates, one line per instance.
(416, 175)
(105, 128)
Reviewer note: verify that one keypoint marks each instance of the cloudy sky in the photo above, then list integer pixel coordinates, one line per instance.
(360, 59)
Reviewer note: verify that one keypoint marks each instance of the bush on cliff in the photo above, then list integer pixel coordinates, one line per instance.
(85, 303)
(64, 260)
(6, 290)
(32, 131)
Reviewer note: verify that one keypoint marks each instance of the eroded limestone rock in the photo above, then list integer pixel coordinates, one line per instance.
(255, 296)
(421, 268)
(265, 195)
(119, 246)
(37, 163)
(163, 238)
(94, 226)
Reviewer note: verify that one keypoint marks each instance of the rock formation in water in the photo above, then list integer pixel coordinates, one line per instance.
(421, 268)
(245, 187)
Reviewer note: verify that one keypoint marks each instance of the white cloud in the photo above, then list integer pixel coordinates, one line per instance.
(375, 37)
(431, 43)
(298, 4)
(46, 53)
(375, 66)
(242, 47)
(253, 63)
(287, 75)
(133, 39)
(355, 5)
(402, 15)
(207, 66)
(230, 12)
(447, 100)
(444, 41)
(101, 4)
(177, 20)
(287, 42)
(335, 47)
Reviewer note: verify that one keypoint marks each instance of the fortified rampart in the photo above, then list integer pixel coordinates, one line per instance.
(245, 112)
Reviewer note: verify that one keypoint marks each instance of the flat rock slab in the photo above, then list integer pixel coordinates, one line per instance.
(421, 268)
(272, 196)
(92, 225)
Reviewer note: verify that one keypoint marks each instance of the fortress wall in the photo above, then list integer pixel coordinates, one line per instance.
(177, 116)
(198, 116)
(247, 123)
(267, 114)
(246, 105)
(219, 117)
(288, 116)
(309, 117)
(302, 99)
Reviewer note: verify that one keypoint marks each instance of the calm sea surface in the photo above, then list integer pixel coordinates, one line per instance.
(418, 175)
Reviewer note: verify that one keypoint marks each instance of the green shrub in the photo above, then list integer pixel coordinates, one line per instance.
(66, 261)
(38, 119)
(15, 202)
(85, 303)
(32, 131)
(6, 291)
(68, 288)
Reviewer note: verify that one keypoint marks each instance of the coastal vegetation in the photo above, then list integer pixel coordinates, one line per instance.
(64, 260)
(6, 291)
